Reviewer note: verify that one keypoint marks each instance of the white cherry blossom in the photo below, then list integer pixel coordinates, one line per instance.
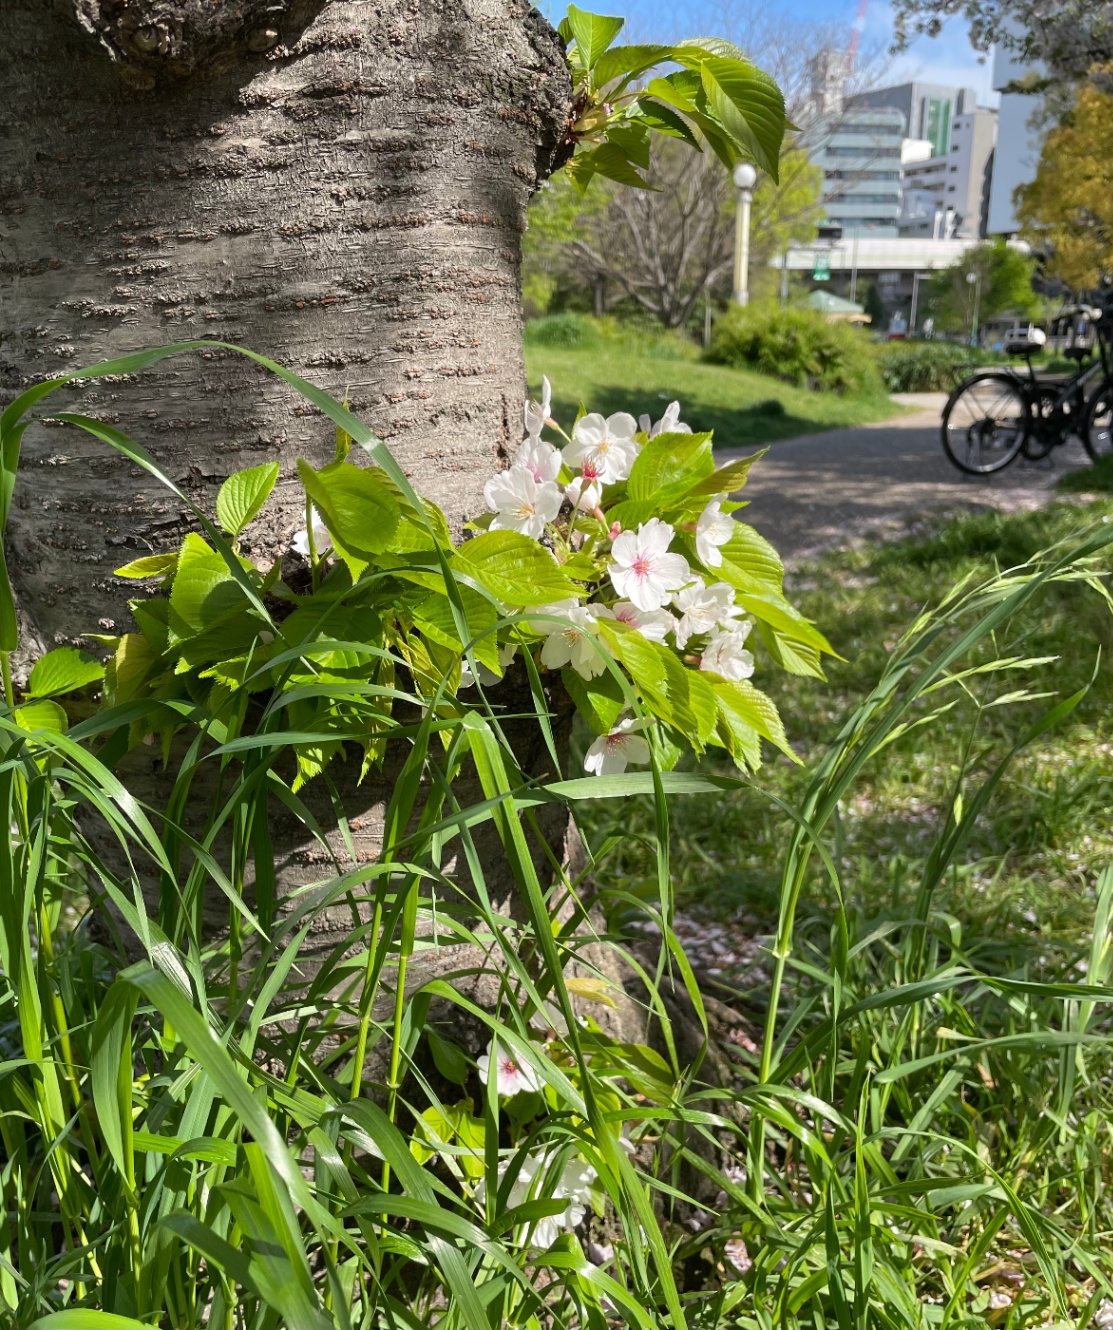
(520, 503)
(654, 624)
(643, 570)
(612, 753)
(540, 459)
(533, 1181)
(584, 495)
(703, 608)
(725, 653)
(713, 529)
(538, 413)
(512, 1076)
(607, 443)
(670, 423)
(487, 677)
(321, 537)
(573, 642)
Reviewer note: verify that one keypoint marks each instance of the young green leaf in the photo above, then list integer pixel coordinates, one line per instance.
(593, 33)
(356, 503)
(243, 494)
(669, 465)
(151, 565)
(515, 569)
(63, 670)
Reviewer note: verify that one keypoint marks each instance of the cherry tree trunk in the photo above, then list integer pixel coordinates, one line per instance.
(339, 184)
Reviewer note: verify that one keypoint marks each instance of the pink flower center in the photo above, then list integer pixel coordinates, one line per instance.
(591, 470)
(509, 1067)
(627, 615)
(615, 741)
(642, 566)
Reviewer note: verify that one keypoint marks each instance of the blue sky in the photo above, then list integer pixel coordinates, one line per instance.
(948, 58)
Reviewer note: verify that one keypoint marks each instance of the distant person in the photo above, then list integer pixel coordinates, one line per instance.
(929, 328)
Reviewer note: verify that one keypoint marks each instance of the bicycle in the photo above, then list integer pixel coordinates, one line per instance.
(995, 415)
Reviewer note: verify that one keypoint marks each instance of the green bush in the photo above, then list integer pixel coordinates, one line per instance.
(797, 345)
(926, 367)
(583, 332)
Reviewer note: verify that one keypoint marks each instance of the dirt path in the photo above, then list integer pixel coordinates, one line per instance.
(823, 489)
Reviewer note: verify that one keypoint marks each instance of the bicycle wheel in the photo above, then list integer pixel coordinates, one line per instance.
(985, 423)
(1097, 424)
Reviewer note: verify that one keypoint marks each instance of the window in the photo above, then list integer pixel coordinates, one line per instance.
(863, 198)
(873, 154)
(950, 189)
(954, 168)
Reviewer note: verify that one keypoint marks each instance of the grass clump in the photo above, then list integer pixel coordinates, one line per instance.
(797, 345)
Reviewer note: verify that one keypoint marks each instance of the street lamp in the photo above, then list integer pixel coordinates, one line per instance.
(974, 279)
(745, 177)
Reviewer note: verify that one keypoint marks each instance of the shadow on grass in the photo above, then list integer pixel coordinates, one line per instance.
(1096, 479)
(734, 427)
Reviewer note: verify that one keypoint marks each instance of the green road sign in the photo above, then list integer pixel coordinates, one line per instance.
(821, 268)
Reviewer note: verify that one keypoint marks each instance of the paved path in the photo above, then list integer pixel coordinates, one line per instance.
(823, 489)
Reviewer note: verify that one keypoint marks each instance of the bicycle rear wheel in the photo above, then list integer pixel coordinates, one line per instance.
(985, 423)
(1097, 424)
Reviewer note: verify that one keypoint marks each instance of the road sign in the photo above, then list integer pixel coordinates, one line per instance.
(821, 268)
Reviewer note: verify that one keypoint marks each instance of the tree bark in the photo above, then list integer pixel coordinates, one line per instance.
(340, 184)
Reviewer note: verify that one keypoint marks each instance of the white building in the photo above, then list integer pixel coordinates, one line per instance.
(958, 182)
(1018, 143)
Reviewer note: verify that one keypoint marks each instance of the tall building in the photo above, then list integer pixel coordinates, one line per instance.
(1018, 142)
(957, 182)
(859, 151)
(929, 109)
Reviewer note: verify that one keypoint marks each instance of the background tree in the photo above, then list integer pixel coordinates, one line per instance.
(663, 248)
(1071, 38)
(1003, 284)
(1067, 210)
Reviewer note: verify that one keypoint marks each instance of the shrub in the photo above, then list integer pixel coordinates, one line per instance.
(797, 345)
(577, 332)
(926, 367)
(571, 332)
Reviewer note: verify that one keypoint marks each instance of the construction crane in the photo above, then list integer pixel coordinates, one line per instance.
(856, 34)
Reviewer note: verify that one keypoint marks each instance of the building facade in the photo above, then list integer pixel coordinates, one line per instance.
(859, 151)
(954, 185)
(1018, 143)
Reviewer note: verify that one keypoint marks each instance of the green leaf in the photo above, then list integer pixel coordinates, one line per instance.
(515, 568)
(42, 716)
(63, 670)
(792, 655)
(749, 106)
(80, 1318)
(628, 62)
(662, 119)
(204, 590)
(243, 494)
(669, 465)
(151, 565)
(448, 1058)
(356, 503)
(593, 33)
(750, 563)
(740, 704)
(730, 478)
(681, 697)
(111, 1074)
(609, 160)
(433, 619)
(599, 701)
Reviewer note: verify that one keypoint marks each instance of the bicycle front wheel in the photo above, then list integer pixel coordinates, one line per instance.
(985, 423)
(1097, 424)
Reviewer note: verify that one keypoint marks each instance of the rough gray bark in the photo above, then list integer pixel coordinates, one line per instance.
(340, 185)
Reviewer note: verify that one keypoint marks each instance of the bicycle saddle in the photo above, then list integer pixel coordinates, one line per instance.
(1078, 353)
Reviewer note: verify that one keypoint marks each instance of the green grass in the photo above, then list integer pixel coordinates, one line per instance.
(1047, 827)
(879, 935)
(742, 408)
(1095, 479)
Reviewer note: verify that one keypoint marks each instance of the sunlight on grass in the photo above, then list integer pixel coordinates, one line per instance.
(742, 408)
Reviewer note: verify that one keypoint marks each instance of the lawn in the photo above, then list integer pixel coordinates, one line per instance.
(742, 408)
(945, 1077)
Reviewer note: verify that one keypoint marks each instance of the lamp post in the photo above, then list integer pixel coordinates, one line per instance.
(975, 280)
(745, 177)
